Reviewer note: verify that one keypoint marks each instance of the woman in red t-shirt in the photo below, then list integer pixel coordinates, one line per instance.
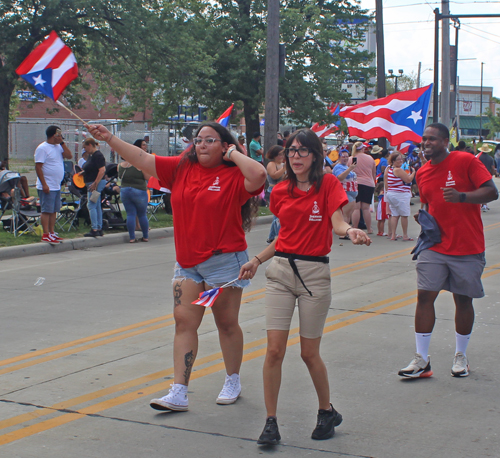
(309, 205)
(211, 185)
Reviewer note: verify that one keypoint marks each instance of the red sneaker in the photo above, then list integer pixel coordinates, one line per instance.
(48, 239)
(55, 237)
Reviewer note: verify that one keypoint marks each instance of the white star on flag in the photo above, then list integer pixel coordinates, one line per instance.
(39, 80)
(415, 115)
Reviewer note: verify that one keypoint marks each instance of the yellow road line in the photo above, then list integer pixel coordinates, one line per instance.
(399, 302)
(150, 390)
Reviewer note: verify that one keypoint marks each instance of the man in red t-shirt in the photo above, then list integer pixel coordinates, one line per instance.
(452, 187)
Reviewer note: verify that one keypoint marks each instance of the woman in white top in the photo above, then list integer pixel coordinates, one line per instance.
(397, 188)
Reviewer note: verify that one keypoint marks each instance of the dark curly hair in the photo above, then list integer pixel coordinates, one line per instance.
(306, 137)
(251, 206)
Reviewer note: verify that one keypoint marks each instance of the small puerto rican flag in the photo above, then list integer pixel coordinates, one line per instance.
(207, 298)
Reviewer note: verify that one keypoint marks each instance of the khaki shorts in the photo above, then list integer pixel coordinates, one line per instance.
(457, 274)
(284, 291)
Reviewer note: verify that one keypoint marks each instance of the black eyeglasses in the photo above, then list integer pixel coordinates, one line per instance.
(303, 151)
(208, 141)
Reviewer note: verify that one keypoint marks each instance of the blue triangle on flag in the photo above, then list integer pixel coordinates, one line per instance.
(414, 116)
(42, 81)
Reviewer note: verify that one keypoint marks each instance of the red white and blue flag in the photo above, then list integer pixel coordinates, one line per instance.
(50, 67)
(327, 129)
(207, 298)
(400, 117)
(224, 117)
(404, 147)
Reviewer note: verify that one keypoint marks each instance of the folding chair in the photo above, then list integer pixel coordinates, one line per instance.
(155, 203)
(23, 221)
(67, 218)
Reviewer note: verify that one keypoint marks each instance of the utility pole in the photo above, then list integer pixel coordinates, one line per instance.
(445, 65)
(481, 106)
(379, 32)
(418, 74)
(435, 101)
(272, 75)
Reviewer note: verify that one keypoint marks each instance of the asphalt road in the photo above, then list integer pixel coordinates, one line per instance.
(84, 350)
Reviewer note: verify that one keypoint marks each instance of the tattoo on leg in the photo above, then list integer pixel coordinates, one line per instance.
(188, 361)
(177, 294)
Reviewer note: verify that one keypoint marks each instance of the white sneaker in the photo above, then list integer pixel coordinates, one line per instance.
(176, 399)
(460, 366)
(418, 367)
(231, 390)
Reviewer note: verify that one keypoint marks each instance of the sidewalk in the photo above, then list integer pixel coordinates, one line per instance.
(87, 242)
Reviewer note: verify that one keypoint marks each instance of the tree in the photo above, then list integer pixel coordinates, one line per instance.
(405, 83)
(132, 47)
(322, 49)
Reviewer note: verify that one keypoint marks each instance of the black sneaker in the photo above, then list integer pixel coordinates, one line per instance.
(101, 234)
(92, 233)
(325, 427)
(270, 435)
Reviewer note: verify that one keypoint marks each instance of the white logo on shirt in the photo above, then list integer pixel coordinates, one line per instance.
(315, 213)
(215, 186)
(450, 181)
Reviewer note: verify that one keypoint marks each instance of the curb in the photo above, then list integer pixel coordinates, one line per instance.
(90, 242)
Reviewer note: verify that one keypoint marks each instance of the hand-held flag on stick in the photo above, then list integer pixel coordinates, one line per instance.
(207, 298)
(50, 67)
(224, 117)
(327, 129)
(400, 117)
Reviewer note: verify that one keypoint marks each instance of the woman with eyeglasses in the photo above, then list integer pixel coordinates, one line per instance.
(212, 186)
(309, 205)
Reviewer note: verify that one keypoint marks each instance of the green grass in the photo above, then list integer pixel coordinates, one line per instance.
(164, 220)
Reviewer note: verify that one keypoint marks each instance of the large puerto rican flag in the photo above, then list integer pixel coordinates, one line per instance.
(400, 117)
(50, 67)
(224, 117)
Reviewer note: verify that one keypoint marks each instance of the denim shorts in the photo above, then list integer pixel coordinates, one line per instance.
(216, 270)
(51, 202)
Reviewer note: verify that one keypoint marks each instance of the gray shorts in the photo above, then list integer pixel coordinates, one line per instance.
(457, 274)
(51, 202)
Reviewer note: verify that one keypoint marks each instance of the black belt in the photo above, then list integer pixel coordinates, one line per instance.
(291, 259)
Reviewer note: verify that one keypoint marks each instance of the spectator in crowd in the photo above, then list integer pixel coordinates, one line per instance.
(346, 175)
(398, 195)
(93, 175)
(256, 150)
(49, 166)
(366, 173)
(242, 145)
(134, 195)
(276, 172)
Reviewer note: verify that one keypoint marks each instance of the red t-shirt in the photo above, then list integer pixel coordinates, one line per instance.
(460, 223)
(306, 219)
(206, 205)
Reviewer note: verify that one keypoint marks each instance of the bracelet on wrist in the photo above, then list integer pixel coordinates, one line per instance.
(347, 230)
(110, 138)
(258, 259)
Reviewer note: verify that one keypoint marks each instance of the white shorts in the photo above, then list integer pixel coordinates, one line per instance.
(399, 203)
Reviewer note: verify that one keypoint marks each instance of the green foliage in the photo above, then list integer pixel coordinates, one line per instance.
(320, 53)
(405, 83)
(493, 123)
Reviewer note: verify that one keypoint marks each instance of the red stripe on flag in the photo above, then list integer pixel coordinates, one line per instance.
(36, 54)
(64, 81)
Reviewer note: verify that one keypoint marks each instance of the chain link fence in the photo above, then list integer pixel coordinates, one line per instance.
(164, 140)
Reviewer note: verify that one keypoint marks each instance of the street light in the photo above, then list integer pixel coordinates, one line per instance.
(392, 75)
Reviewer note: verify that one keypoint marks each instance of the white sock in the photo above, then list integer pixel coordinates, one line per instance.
(423, 341)
(461, 343)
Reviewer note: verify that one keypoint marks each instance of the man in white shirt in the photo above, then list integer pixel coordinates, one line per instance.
(49, 166)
